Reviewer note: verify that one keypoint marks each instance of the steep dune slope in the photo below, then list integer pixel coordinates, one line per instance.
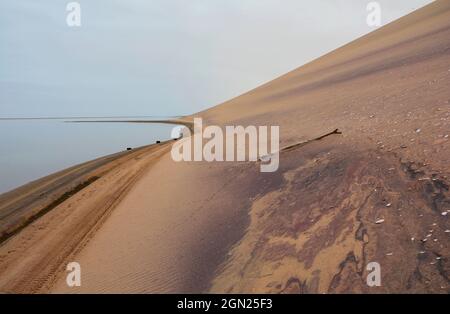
(389, 94)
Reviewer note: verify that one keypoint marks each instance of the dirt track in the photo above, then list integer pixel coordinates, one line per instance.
(58, 220)
(19, 206)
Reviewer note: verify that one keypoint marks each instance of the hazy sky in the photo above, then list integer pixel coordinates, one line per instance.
(163, 57)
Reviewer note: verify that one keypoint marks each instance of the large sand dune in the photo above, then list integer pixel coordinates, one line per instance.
(378, 192)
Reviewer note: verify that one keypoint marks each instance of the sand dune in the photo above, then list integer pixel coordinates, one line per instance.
(375, 193)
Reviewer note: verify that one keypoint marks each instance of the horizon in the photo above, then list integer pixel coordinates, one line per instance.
(69, 68)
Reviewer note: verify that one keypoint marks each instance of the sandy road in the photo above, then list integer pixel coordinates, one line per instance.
(29, 260)
(19, 206)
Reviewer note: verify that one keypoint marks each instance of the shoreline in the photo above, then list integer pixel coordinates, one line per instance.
(181, 121)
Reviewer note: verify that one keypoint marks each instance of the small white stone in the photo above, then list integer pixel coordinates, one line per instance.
(389, 254)
(379, 221)
(444, 213)
(388, 205)
(418, 130)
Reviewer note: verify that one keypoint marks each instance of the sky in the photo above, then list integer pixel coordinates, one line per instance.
(163, 57)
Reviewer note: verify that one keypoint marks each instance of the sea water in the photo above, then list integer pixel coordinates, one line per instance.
(30, 149)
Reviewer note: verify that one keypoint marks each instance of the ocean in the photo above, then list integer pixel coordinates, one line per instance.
(31, 149)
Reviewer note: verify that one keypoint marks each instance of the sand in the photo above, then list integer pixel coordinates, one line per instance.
(31, 259)
(310, 227)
